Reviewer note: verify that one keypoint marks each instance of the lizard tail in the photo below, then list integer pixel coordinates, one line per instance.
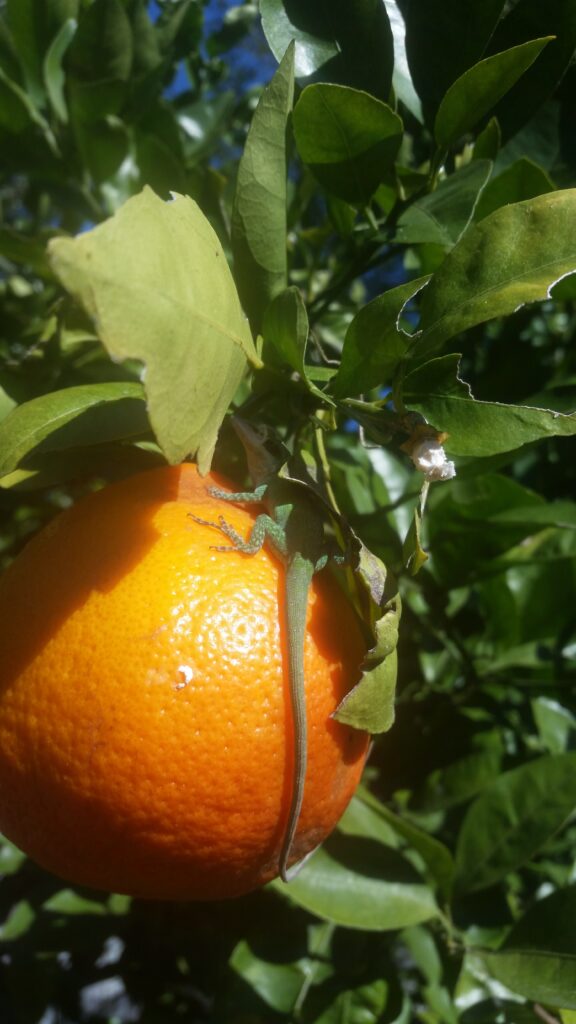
(298, 578)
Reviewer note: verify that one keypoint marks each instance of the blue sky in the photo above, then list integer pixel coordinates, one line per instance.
(249, 64)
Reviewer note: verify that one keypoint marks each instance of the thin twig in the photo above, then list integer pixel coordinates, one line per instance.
(544, 1015)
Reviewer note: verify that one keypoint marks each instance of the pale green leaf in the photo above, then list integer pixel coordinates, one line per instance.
(155, 281)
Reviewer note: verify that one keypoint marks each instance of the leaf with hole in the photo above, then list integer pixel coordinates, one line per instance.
(476, 428)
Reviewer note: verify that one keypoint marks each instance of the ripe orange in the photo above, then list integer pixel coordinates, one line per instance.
(145, 731)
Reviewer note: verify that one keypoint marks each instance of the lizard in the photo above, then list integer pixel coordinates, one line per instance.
(294, 531)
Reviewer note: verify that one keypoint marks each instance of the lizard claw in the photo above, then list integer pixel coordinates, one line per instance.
(203, 522)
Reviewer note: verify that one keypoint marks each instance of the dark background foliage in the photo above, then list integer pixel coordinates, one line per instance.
(448, 894)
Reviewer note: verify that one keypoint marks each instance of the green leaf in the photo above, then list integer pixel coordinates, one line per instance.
(513, 817)
(488, 142)
(478, 90)
(370, 704)
(67, 901)
(361, 818)
(424, 952)
(112, 461)
(54, 75)
(348, 138)
(538, 957)
(147, 51)
(413, 554)
(19, 920)
(11, 858)
(285, 331)
(32, 23)
(361, 884)
(103, 145)
(554, 722)
(314, 43)
(460, 781)
(99, 60)
(17, 111)
(279, 985)
(435, 855)
(343, 998)
(443, 39)
(442, 216)
(348, 42)
(512, 257)
(520, 181)
(527, 20)
(84, 415)
(179, 30)
(375, 344)
(476, 428)
(161, 167)
(24, 249)
(155, 280)
(555, 513)
(402, 83)
(102, 47)
(259, 213)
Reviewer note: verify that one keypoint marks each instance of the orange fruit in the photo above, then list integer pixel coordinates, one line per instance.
(145, 727)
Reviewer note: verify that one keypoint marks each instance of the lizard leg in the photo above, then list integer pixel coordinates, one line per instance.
(242, 497)
(262, 528)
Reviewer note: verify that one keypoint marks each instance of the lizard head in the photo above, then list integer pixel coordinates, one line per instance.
(265, 452)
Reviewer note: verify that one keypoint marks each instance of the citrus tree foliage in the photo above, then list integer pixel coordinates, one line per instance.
(354, 221)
